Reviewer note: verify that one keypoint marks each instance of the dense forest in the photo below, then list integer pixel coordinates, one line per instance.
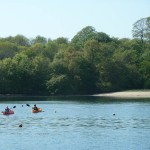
(92, 62)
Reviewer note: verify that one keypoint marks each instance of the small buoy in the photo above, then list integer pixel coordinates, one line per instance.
(20, 125)
(28, 105)
(114, 114)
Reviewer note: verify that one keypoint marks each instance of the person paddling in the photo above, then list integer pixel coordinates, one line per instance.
(7, 109)
(35, 107)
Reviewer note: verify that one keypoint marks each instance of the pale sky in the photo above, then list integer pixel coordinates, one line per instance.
(64, 18)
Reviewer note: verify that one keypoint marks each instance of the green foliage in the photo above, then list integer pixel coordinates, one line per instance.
(91, 63)
(19, 40)
(51, 49)
(145, 68)
(58, 85)
(92, 51)
(102, 37)
(7, 50)
(61, 40)
(89, 33)
(39, 40)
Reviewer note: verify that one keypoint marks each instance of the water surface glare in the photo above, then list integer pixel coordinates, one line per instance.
(92, 124)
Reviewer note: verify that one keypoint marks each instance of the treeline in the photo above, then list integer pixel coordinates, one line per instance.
(92, 62)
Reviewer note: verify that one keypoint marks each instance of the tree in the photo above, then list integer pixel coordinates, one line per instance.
(58, 82)
(20, 40)
(61, 40)
(148, 29)
(91, 49)
(7, 49)
(50, 50)
(102, 37)
(141, 29)
(58, 85)
(87, 33)
(39, 39)
(145, 68)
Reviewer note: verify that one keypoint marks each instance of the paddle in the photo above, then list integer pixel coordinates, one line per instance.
(13, 107)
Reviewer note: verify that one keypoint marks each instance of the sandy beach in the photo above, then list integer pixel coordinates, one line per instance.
(127, 94)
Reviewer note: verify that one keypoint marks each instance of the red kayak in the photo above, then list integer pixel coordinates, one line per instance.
(8, 113)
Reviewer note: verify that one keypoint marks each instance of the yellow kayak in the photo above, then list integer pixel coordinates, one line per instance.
(36, 111)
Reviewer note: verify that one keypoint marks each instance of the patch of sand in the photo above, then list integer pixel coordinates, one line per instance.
(127, 94)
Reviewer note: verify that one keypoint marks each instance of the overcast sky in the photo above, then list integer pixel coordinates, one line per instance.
(64, 18)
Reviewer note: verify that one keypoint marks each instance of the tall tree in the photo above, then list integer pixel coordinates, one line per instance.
(141, 29)
(148, 29)
(87, 33)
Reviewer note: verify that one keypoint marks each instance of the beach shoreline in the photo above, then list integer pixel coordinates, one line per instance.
(127, 94)
(122, 94)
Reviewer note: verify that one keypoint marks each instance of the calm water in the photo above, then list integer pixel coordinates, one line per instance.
(80, 123)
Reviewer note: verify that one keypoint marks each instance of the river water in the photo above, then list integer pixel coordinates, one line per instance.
(76, 123)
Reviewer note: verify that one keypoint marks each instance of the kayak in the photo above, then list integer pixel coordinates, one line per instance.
(36, 111)
(8, 113)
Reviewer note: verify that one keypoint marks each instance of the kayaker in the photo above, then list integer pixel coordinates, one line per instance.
(35, 107)
(7, 109)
